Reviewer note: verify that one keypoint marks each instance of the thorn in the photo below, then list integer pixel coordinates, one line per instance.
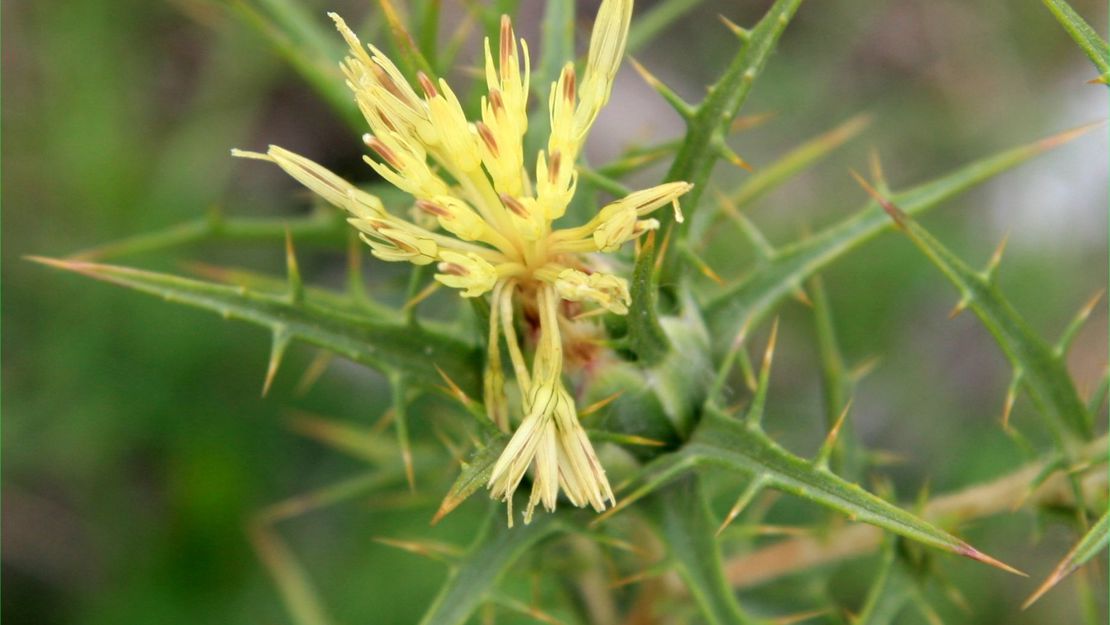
(662, 252)
(928, 611)
(823, 455)
(975, 554)
(875, 164)
(383, 422)
(453, 389)
(1100, 80)
(753, 488)
(648, 573)
(742, 33)
(296, 285)
(313, 372)
(626, 439)
(1008, 403)
(996, 258)
(701, 265)
(406, 459)
(769, 351)
(424, 294)
(895, 213)
(681, 106)
(1063, 137)
(729, 155)
(617, 543)
(864, 368)
(277, 352)
(755, 411)
(800, 295)
(428, 549)
(598, 405)
(1077, 322)
(747, 122)
(959, 307)
(762, 247)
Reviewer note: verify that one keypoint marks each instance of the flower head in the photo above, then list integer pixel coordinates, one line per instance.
(495, 223)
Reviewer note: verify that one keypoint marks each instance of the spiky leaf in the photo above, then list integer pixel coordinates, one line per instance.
(383, 345)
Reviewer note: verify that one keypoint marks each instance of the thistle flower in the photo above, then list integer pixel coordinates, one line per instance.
(495, 227)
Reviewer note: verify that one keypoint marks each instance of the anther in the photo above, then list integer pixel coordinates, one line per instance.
(514, 205)
(553, 166)
(432, 208)
(383, 151)
(427, 85)
(568, 83)
(506, 44)
(452, 269)
(487, 136)
(496, 102)
(385, 80)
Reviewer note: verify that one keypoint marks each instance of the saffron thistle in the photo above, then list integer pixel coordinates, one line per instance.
(495, 228)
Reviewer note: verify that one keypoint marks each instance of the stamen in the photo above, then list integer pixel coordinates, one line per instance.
(568, 83)
(495, 101)
(487, 136)
(514, 205)
(427, 85)
(553, 166)
(452, 269)
(432, 208)
(383, 151)
(506, 45)
(385, 80)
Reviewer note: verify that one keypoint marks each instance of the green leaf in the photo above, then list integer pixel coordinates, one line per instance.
(689, 533)
(475, 474)
(646, 338)
(1095, 47)
(1043, 371)
(494, 551)
(721, 441)
(756, 295)
(324, 227)
(389, 347)
(726, 442)
(1092, 543)
(313, 50)
(838, 384)
(707, 129)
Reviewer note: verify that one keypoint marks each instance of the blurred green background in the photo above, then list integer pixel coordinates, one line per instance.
(135, 444)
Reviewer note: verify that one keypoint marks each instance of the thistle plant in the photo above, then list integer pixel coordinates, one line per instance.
(503, 243)
(609, 353)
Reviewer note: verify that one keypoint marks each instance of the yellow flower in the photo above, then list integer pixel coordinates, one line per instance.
(496, 226)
